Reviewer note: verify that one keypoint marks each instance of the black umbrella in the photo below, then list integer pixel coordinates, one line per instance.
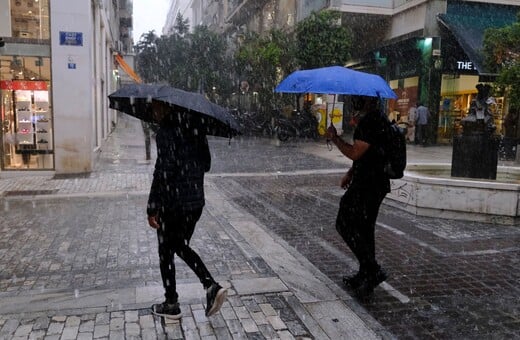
(136, 100)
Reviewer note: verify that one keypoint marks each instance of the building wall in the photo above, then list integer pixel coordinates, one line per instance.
(73, 88)
(81, 79)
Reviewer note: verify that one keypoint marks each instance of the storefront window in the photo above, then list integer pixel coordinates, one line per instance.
(25, 77)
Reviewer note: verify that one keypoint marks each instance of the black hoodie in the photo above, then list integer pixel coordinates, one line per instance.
(178, 180)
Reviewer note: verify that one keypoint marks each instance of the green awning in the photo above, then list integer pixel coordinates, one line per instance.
(468, 22)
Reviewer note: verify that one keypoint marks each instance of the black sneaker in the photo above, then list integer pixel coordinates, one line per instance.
(215, 295)
(167, 310)
(353, 281)
(368, 285)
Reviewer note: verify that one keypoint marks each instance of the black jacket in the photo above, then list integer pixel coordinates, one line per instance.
(178, 180)
(368, 171)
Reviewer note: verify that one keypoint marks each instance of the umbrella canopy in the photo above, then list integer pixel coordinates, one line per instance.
(336, 80)
(136, 100)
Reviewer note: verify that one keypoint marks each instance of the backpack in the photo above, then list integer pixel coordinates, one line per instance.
(394, 150)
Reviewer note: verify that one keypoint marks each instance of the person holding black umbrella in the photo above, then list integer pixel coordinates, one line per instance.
(176, 202)
(367, 184)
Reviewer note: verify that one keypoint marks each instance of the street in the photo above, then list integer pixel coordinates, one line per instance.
(78, 260)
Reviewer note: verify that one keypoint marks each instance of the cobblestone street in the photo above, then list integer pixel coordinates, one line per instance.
(448, 279)
(78, 260)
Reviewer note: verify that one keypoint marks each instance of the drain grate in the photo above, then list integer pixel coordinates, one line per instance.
(30, 192)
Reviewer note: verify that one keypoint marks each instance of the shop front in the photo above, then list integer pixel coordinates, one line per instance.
(26, 115)
(463, 67)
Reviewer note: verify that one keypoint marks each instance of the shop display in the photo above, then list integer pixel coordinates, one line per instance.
(32, 121)
(27, 125)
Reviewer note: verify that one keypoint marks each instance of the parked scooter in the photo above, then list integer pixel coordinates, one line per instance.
(300, 124)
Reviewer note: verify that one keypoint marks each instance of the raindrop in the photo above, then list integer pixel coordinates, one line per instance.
(33, 204)
(76, 293)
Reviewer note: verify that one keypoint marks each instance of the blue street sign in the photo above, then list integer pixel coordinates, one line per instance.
(71, 38)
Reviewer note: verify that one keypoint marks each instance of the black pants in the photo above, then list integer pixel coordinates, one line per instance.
(174, 237)
(356, 224)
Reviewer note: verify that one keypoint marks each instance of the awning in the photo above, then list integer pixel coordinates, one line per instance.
(468, 22)
(128, 70)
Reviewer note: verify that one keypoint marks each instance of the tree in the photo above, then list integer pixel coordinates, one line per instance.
(182, 26)
(207, 63)
(322, 40)
(261, 60)
(146, 57)
(192, 62)
(502, 52)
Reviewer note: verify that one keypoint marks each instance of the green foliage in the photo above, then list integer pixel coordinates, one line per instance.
(198, 61)
(182, 25)
(146, 59)
(193, 62)
(322, 40)
(261, 60)
(502, 52)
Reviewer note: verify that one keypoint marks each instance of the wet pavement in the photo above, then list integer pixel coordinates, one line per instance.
(78, 261)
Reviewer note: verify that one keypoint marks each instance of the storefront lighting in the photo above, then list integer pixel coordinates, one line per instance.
(428, 42)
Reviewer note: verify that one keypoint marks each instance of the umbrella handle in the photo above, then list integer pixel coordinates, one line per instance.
(329, 145)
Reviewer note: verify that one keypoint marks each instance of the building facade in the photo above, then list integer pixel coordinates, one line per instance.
(428, 50)
(57, 68)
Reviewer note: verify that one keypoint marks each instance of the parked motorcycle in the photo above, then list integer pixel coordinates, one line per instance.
(300, 124)
(253, 123)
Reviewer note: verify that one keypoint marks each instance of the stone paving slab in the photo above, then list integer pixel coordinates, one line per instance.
(458, 278)
(98, 258)
(446, 277)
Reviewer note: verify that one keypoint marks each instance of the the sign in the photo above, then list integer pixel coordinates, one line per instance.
(71, 38)
(465, 66)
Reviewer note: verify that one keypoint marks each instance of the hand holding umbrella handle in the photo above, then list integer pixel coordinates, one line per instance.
(331, 133)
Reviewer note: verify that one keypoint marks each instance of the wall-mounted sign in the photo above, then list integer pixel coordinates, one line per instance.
(466, 66)
(71, 63)
(71, 38)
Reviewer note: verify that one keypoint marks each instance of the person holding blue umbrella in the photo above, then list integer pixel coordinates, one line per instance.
(366, 185)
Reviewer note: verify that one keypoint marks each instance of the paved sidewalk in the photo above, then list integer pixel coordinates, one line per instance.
(77, 261)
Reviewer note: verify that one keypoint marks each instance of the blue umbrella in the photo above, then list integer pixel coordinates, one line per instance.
(336, 80)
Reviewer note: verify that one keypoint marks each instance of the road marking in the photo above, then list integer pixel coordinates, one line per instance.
(444, 253)
(353, 265)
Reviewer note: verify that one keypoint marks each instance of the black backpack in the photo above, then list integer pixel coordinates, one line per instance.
(394, 150)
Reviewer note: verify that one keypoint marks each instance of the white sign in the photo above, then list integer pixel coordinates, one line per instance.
(466, 65)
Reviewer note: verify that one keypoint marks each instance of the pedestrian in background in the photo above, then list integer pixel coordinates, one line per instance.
(175, 205)
(421, 123)
(147, 139)
(366, 186)
(410, 132)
